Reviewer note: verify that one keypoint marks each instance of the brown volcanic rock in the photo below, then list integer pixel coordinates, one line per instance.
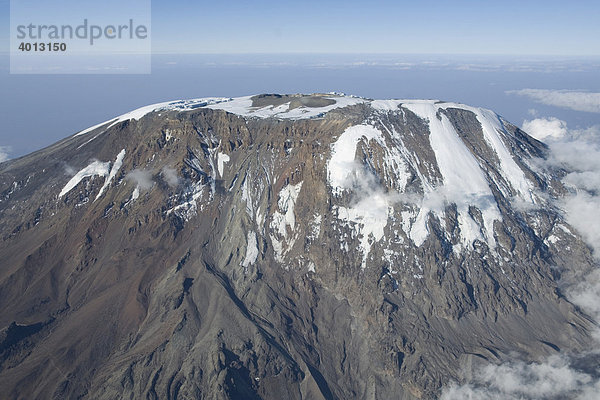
(159, 296)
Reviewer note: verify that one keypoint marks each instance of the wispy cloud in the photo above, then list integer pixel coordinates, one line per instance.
(570, 99)
(170, 176)
(4, 153)
(142, 178)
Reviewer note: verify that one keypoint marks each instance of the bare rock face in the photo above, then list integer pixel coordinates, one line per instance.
(281, 247)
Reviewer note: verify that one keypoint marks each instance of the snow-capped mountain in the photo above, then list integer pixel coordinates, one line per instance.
(282, 246)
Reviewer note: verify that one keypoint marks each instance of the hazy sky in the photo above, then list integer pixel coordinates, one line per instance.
(449, 27)
(463, 26)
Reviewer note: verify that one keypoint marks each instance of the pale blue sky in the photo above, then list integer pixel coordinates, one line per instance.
(444, 27)
(348, 26)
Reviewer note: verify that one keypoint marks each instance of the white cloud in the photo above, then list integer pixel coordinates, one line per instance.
(574, 100)
(70, 171)
(552, 379)
(4, 153)
(542, 128)
(586, 294)
(582, 213)
(142, 178)
(170, 176)
(577, 151)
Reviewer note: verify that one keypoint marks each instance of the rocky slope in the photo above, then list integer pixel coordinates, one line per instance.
(298, 247)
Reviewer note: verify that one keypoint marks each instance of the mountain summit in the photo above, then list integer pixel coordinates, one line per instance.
(282, 247)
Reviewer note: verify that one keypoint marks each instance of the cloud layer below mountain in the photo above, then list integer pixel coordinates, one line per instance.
(557, 377)
(574, 100)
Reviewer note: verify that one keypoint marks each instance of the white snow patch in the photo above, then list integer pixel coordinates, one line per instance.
(370, 212)
(566, 229)
(135, 194)
(259, 219)
(113, 172)
(277, 248)
(406, 221)
(97, 168)
(464, 181)
(287, 201)
(419, 230)
(493, 129)
(246, 197)
(316, 227)
(386, 105)
(213, 172)
(552, 239)
(342, 167)
(189, 208)
(370, 215)
(221, 159)
(177, 105)
(284, 219)
(251, 250)
(243, 106)
(238, 105)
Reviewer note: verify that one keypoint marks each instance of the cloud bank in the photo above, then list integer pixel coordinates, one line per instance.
(574, 100)
(557, 377)
(553, 379)
(578, 151)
